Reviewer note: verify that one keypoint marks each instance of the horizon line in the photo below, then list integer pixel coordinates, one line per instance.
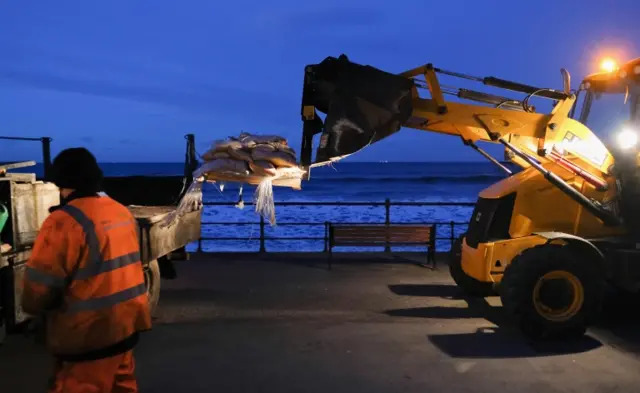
(337, 163)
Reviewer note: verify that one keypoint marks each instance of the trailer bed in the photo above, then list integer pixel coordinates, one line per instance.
(150, 213)
(156, 239)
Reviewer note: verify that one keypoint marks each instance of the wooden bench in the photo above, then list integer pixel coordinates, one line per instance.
(385, 235)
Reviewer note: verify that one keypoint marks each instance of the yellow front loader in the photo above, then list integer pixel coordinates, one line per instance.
(546, 239)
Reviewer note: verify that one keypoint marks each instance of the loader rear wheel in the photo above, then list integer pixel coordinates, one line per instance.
(468, 284)
(551, 292)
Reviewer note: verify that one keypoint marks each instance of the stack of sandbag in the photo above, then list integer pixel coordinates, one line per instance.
(262, 160)
(251, 159)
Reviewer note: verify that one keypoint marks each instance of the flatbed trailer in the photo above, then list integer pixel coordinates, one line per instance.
(149, 198)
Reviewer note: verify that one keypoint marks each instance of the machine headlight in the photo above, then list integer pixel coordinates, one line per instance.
(627, 138)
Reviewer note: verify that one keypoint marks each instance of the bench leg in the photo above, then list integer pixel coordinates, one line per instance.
(431, 257)
(329, 258)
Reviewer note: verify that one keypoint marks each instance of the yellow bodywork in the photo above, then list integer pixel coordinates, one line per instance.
(535, 199)
(536, 196)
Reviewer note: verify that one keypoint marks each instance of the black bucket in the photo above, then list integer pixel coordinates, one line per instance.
(363, 104)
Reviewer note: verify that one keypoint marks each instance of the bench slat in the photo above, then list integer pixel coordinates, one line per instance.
(373, 232)
(382, 230)
(379, 227)
(407, 236)
(379, 244)
(374, 235)
(381, 240)
(383, 235)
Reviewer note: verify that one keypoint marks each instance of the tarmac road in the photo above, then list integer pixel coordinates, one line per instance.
(234, 324)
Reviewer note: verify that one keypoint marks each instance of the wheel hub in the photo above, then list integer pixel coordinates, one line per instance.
(558, 296)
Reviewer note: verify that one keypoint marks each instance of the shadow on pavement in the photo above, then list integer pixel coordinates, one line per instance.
(496, 343)
(619, 322)
(502, 341)
(321, 261)
(477, 307)
(430, 290)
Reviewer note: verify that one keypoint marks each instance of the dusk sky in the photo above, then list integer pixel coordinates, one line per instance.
(127, 79)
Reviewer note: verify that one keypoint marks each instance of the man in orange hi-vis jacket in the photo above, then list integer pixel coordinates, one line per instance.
(86, 278)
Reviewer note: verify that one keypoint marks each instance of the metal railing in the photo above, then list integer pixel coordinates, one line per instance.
(46, 150)
(387, 204)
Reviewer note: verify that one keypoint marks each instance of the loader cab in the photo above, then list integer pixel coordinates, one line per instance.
(608, 103)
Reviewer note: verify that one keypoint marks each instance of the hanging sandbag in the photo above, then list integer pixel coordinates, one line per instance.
(261, 160)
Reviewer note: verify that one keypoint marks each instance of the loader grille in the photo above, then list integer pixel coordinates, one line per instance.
(490, 220)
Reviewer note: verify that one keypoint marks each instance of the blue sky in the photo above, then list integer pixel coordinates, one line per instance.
(127, 79)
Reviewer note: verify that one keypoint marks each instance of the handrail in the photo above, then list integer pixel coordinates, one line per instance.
(301, 203)
(20, 138)
(46, 150)
(451, 225)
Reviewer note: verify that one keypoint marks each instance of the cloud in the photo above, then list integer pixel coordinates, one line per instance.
(202, 97)
(328, 22)
(332, 18)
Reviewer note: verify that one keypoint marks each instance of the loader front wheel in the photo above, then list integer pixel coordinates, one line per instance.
(550, 291)
(468, 284)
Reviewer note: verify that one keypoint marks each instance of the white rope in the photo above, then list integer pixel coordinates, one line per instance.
(191, 201)
(263, 198)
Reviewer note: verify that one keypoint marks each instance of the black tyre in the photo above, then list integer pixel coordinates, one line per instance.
(152, 282)
(468, 284)
(551, 291)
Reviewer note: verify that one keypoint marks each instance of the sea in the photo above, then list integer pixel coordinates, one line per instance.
(431, 182)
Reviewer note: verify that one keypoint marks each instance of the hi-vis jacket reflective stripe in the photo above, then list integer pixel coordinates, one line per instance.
(85, 273)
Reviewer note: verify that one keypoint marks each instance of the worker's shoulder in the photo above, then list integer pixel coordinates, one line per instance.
(115, 206)
(59, 219)
(94, 208)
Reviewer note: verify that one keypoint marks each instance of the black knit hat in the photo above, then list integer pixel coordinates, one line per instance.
(77, 169)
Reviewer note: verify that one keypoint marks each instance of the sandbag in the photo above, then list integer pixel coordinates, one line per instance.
(287, 150)
(222, 145)
(222, 165)
(238, 153)
(262, 160)
(245, 137)
(262, 168)
(276, 157)
(263, 149)
(213, 155)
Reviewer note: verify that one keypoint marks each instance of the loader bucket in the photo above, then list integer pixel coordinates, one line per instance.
(362, 105)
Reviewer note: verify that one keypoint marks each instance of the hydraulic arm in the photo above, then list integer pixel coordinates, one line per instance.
(364, 105)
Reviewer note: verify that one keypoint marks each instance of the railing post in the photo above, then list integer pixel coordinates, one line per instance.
(387, 220)
(200, 244)
(46, 157)
(262, 247)
(452, 236)
(326, 236)
(190, 159)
